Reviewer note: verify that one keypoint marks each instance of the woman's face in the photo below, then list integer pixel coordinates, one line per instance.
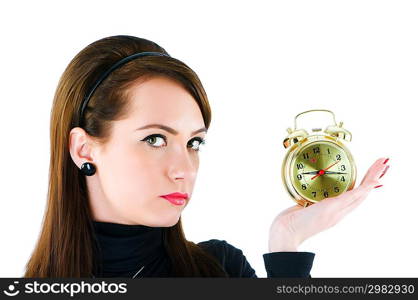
(137, 166)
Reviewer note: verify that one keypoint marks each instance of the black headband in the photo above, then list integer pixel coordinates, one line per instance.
(110, 70)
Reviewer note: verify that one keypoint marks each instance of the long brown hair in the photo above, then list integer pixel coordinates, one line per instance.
(65, 247)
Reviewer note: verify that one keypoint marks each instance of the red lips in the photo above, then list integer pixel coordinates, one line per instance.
(176, 198)
(176, 195)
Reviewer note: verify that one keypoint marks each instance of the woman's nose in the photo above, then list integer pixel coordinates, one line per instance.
(182, 165)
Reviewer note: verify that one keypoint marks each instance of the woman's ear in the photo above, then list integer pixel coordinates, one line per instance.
(80, 146)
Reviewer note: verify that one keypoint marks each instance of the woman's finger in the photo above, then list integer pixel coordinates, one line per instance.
(375, 171)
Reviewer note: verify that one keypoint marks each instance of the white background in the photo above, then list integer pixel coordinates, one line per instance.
(261, 62)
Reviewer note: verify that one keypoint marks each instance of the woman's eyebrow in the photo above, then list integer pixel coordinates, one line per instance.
(169, 129)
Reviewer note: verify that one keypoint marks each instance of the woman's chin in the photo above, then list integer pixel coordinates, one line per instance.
(169, 221)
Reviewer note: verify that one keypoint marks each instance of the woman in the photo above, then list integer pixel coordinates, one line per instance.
(126, 125)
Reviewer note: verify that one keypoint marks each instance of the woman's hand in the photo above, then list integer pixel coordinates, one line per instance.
(295, 224)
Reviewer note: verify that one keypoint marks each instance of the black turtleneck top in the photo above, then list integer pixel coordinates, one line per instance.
(127, 250)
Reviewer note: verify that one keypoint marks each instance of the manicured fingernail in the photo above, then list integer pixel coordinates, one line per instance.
(384, 171)
(385, 161)
(378, 186)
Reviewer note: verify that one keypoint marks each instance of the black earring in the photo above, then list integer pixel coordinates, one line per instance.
(88, 169)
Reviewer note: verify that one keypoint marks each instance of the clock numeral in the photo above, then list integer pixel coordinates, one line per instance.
(338, 157)
(326, 194)
(306, 155)
(299, 166)
(299, 176)
(336, 189)
(342, 178)
(303, 186)
(316, 150)
(328, 151)
(342, 167)
(314, 194)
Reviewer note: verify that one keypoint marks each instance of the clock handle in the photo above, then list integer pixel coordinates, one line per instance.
(326, 110)
(333, 130)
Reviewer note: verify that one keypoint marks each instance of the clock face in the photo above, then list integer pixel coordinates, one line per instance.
(321, 170)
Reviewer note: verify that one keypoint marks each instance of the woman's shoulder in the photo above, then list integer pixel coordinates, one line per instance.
(229, 256)
(213, 243)
(220, 247)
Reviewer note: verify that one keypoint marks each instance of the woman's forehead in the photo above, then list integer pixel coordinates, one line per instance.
(164, 101)
(158, 93)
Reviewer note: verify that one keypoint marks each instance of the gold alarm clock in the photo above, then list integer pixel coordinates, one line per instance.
(318, 165)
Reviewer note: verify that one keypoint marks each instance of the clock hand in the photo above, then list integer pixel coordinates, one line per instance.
(322, 172)
(332, 165)
(325, 172)
(332, 172)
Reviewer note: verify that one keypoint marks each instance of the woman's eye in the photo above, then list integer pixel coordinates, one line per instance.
(197, 142)
(157, 141)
